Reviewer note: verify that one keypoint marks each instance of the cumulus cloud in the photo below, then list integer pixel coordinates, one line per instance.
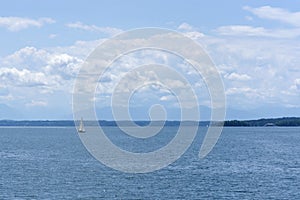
(270, 65)
(263, 58)
(19, 23)
(63, 64)
(24, 78)
(31, 71)
(237, 77)
(94, 28)
(31, 75)
(27, 57)
(44, 61)
(279, 14)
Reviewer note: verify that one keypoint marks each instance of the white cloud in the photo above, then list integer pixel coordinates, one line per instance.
(34, 103)
(190, 31)
(19, 23)
(27, 57)
(296, 84)
(237, 77)
(185, 27)
(266, 12)
(194, 35)
(165, 98)
(45, 61)
(246, 31)
(270, 65)
(80, 49)
(30, 71)
(23, 78)
(63, 64)
(244, 91)
(94, 28)
(241, 30)
(279, 14)
(32, 76)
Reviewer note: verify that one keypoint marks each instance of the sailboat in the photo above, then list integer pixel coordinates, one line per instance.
(81, 127)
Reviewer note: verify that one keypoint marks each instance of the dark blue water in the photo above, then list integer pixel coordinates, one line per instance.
(246, 163)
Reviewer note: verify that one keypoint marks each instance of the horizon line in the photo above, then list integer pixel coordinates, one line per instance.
(142, 120)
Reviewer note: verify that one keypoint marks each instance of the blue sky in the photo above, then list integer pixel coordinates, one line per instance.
(254, 45)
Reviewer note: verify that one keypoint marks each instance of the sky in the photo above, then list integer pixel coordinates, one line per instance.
(255, 45)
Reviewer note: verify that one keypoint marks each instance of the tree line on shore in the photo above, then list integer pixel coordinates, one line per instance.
(285, 121)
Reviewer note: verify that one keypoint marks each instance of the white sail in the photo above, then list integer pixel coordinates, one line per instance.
(81, 127)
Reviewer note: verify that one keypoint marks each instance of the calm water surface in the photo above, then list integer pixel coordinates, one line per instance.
(246, 163)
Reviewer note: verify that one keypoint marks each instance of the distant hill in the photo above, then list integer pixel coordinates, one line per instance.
(285, 121)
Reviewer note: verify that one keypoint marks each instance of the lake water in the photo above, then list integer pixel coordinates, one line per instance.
(246, 163)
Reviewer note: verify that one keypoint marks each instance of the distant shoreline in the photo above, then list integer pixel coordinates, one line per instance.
(284, 121)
